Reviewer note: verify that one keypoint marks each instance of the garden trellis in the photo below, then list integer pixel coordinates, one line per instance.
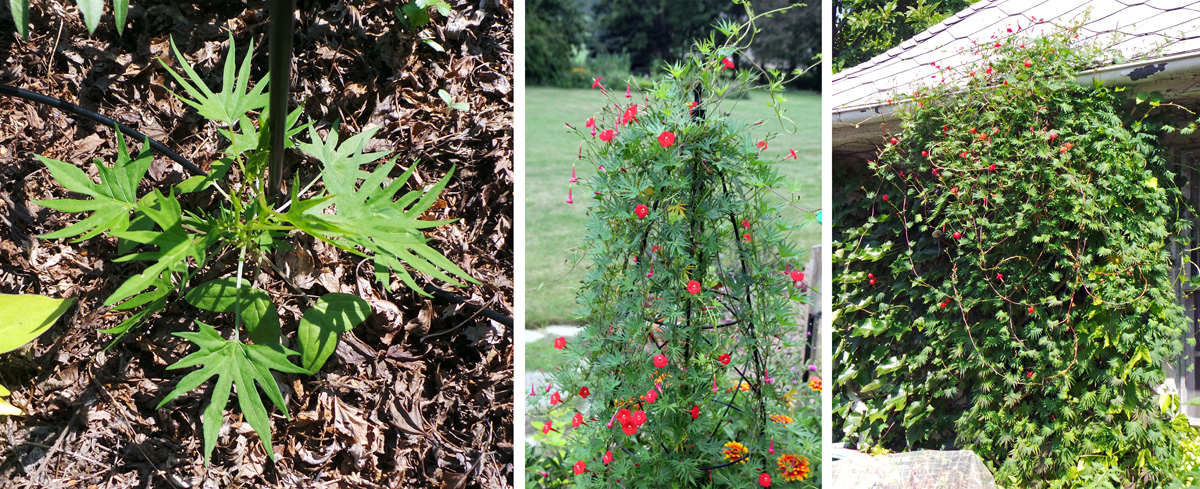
(694, 287)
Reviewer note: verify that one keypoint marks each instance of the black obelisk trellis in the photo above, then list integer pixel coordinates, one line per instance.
(745, 306)
(280, 63)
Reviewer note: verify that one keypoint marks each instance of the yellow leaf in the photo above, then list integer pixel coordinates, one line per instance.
(7, 409)
(677, 210)
(1152, 182)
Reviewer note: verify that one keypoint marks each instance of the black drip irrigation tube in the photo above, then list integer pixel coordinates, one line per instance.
(82, 112)
(485, 311)
(277, 139)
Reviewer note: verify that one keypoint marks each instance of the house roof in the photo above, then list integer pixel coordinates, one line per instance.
(1145, 30)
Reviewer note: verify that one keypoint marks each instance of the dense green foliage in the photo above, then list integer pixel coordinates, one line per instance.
(691, 305)
(354, 210)
(865, 28)
(1003, 276)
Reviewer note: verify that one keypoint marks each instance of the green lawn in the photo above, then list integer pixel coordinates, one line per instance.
(553, 227)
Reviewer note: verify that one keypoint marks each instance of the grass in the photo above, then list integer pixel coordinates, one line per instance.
(554, 228)
(541, 355)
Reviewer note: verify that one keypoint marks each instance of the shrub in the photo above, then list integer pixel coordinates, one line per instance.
(585, 68)
(693, 298)
(552, 27)
(1004, 276)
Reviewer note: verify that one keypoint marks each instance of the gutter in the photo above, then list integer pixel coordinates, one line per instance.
(1124, 75)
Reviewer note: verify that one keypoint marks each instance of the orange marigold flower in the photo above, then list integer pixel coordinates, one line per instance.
(734, 450)
(815, 384)
(793, 467)
(781, 419)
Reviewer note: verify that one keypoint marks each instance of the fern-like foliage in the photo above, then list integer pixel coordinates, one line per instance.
(111, 200)
(234, 100)
(234, 364)
(370, 216)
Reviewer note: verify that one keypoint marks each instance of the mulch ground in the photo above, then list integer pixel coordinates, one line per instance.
(421, 395)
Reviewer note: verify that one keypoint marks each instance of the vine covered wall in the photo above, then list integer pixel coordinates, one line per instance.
(1003, 274)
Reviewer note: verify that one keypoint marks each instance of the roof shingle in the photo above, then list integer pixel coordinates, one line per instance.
(1148, 29)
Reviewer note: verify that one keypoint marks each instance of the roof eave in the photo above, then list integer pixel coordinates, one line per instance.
(1137, 73)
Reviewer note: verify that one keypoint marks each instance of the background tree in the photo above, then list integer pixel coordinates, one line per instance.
(865, 28)
(790, 40)
(552, 27)
(653, 30)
